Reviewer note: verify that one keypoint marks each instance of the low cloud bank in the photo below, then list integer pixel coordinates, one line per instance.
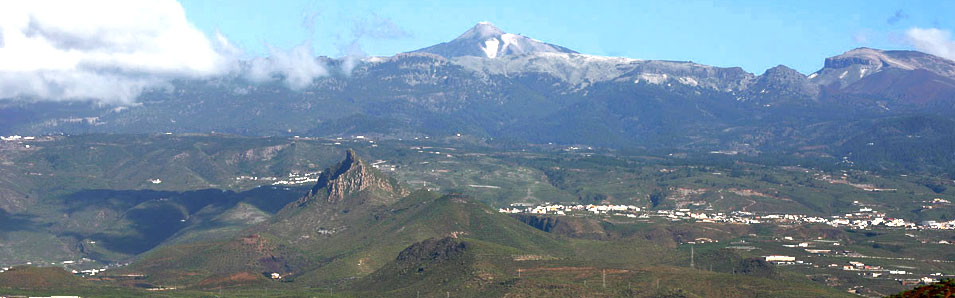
(298, 67)
(933, 41)
(109, 51)
(112, 51)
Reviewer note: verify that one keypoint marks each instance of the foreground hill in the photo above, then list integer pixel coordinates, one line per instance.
(39, 278)
(354, 231)
(350, 224)
(91, 196)
(358, 231)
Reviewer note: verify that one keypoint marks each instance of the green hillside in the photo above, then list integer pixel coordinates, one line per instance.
(322, 238)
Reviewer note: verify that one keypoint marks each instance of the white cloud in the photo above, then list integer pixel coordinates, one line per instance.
(353, 55)
(933, 41)
(297, 66)
(108, 51)
(375, 27)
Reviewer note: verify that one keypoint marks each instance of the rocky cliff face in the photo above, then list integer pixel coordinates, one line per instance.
(349, 177)
(568, 226)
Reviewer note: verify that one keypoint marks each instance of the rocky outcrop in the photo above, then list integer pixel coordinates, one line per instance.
(566, 226)
(351, 176)
(543, 223)
(788, 80)
(780, 84)
(421, 255)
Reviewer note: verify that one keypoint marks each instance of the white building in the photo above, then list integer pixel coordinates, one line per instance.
(779, 258)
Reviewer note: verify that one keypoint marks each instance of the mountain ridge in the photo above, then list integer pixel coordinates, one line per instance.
(530, 97)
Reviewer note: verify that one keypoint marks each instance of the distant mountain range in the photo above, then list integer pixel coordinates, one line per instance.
(501, 88)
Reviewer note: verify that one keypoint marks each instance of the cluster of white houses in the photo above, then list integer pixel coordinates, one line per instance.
(297, 178)
(938, 225)
(90, 272)
(294, 178)
(558, 209)
(872, 271)
(16, 138)
(875, 271)
(83, 266)
(864, 218)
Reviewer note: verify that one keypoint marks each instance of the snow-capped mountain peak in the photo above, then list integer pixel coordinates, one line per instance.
(482, 30)
(487, 41)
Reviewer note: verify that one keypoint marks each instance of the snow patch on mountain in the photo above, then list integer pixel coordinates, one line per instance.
(651, 78)
(690, 81)
(490, 47)
(512, 41)
(581, 70)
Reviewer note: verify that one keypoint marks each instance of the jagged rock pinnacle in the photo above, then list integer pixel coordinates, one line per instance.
(348, 177)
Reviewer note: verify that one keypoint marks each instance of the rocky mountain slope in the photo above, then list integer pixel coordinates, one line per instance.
(906, 80)
(499, 87)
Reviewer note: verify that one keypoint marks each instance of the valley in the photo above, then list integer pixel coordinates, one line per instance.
(690, 213)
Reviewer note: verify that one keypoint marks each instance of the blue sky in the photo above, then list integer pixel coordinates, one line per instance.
(755, 35)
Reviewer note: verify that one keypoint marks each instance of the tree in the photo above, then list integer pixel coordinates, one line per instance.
(657, 197)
